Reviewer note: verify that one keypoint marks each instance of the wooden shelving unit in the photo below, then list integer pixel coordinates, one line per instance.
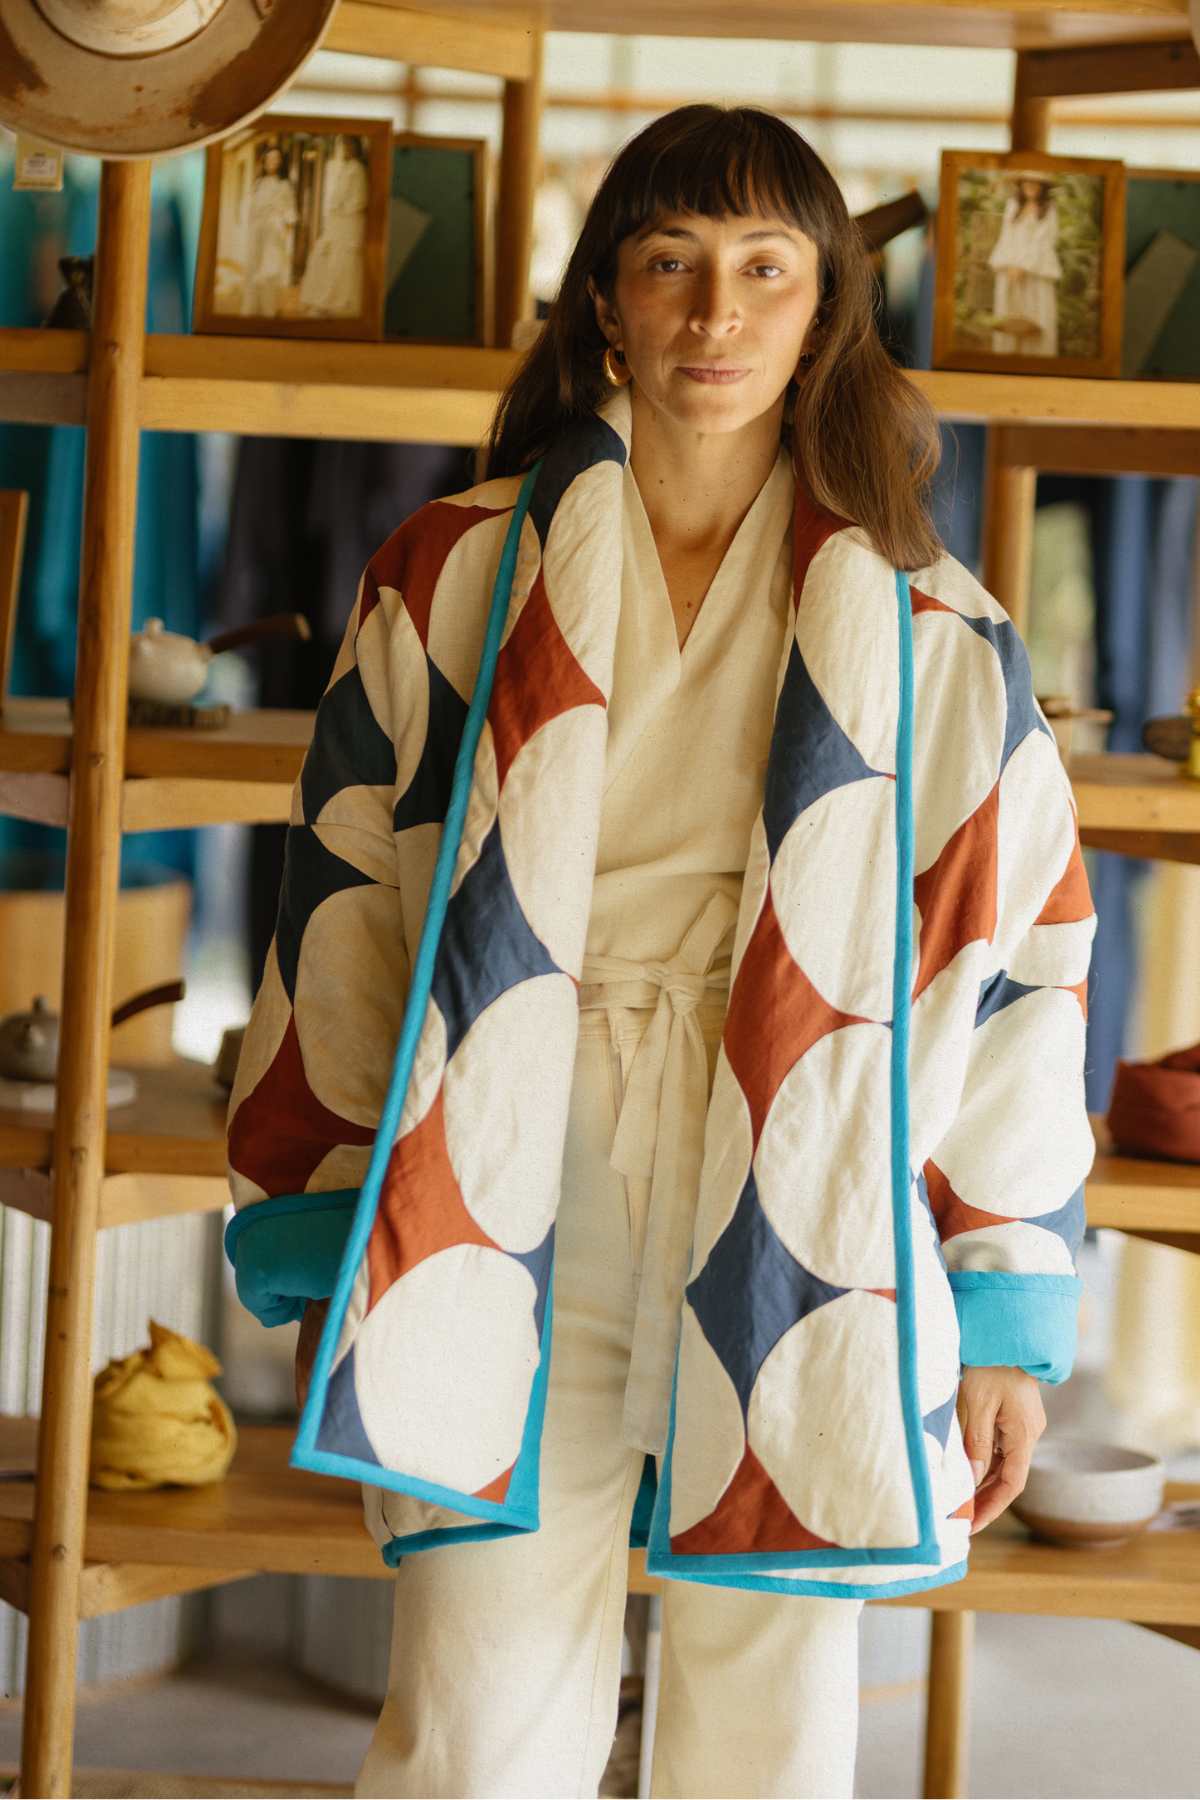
(68, 1553)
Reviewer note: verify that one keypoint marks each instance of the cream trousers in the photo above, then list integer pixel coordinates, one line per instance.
(506, 1655)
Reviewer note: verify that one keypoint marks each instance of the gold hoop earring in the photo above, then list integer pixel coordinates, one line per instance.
(610, 369)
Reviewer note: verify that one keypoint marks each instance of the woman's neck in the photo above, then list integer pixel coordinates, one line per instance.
(697, 487)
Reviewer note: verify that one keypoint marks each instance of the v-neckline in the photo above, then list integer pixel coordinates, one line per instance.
(749, 523)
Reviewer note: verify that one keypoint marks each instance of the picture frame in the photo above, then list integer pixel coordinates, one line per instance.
(1160, 341)
(293, 230)
(1056, 307)
(438, 281)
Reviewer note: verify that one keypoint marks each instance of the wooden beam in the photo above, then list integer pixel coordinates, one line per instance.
(480, 45)
(1151, 68)
(93, 856)
(948, 1704)
(1103, 450)
(520, 172)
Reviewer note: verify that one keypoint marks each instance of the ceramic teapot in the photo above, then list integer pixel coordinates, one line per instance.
(29, 1040)
(170, 667)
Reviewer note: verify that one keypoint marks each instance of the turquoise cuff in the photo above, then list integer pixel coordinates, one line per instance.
(287, 1249)
(1017, 1321)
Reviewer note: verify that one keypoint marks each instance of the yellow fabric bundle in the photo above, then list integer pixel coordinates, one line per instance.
(156, 1420)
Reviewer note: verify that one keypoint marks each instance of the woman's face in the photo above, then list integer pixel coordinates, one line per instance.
(1031, 190)
(694, 294)
(272, 161)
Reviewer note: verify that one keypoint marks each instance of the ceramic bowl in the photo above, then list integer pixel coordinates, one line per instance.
(1089, 1495)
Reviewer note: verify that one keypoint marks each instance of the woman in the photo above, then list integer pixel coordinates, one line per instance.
(269, 233)
(332, 281)
(1025, 259)
(692, 1000)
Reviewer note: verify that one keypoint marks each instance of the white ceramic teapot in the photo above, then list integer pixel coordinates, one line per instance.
(29, 1041)
(171, 668)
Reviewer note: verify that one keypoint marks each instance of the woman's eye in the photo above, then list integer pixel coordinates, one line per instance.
(776, 266)
(659, 261)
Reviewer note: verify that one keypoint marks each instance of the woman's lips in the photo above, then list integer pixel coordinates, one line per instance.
(713, 375)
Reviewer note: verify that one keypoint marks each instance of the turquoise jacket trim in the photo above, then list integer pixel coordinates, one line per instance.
(1021, 1321)
(287, 1249)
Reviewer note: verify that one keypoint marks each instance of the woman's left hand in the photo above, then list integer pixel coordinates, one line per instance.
(1001, 1414)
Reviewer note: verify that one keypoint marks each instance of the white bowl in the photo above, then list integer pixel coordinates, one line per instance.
(1089, 1495)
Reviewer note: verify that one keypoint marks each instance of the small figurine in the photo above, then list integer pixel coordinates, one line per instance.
(72, 311)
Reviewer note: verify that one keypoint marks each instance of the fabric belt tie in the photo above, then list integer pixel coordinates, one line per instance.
(659, 1139)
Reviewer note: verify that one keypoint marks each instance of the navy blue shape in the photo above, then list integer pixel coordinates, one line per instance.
(578, 446)
(809, 755)
(341, 1428)
(999, 991)
(349, 747)
(1021, 717)
(937, 1422)
(486, 945)
(311, 873)
(426, 800)
(751, 1290)
(1068, 1221)
(538, 1261)
(923, 1191)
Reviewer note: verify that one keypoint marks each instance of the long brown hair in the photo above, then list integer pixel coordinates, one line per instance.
(863, 439)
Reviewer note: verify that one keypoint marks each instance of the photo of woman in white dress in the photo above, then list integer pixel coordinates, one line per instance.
(332, 283)
(1027, 270)
(270, 234)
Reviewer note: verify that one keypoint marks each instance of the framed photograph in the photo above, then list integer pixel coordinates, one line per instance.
(1160, 341)
(439, 265)
(293, 230)
(1030, 258)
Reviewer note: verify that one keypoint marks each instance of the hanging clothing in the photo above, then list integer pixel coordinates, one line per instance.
(505, 1664)
(895, 1146)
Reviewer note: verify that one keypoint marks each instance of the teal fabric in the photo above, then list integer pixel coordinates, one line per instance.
(286, 1250)
(170, 571)
(1019, 1321)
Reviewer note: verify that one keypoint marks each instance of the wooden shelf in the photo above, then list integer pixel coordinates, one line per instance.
(268, 1517)
(165, 1151)
(1020, 24)
(439, 393)
(240, 774)
(1137, 805)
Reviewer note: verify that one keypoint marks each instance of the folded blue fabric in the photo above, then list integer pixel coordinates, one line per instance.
(1019, 1321)
(287, 1249)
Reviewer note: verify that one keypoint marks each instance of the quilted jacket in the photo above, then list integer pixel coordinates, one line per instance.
(897, 1139)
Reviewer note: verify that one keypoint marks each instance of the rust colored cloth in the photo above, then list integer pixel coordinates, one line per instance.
(1154, 1108)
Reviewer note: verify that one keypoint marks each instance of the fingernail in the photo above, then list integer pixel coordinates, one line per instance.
(977, 1469)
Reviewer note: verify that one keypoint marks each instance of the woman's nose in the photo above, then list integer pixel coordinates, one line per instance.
(714, 309)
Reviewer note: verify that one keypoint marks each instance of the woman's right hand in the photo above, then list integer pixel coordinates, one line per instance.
(311, 1326)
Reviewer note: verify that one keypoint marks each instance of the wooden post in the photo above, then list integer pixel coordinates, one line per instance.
(1007, 549)
(93, 863)
(947, 1705)
(1010, 489)
(519, 163)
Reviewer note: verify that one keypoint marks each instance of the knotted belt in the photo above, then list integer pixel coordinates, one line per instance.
(659, 1139)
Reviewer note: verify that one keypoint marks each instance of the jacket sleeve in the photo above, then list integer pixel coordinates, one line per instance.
(318, 1048)
(1005, 1182)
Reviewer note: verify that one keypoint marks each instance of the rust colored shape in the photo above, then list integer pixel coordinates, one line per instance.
(421, 1209)
(957, 892)
(751, 1515)
(775, 1014)
(537, 678)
